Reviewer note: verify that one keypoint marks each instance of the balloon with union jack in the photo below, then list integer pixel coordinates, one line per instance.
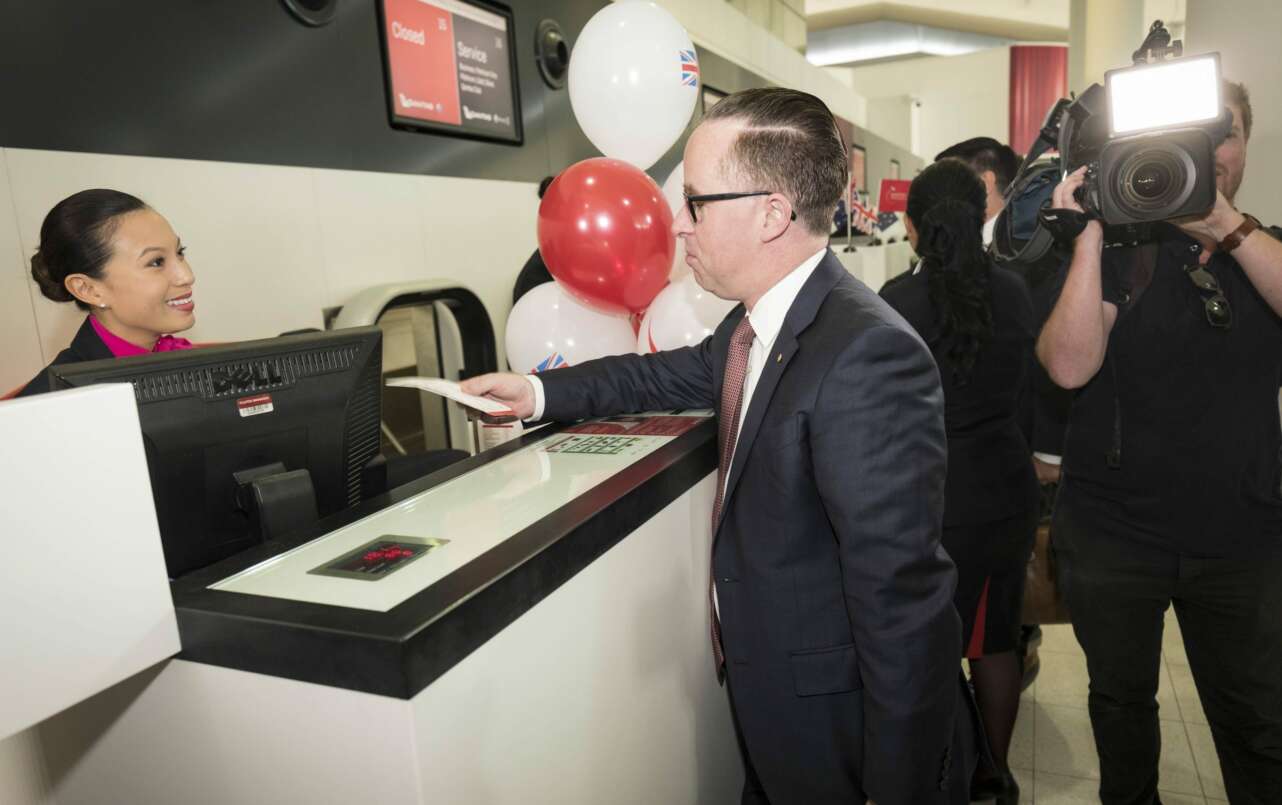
(634, 79)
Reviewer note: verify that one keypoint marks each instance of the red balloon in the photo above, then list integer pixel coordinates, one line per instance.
(605, 232)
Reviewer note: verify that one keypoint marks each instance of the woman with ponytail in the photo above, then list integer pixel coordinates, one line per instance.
(118, 259)
(978, 321)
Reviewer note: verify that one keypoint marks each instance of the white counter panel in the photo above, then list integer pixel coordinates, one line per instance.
(84, 597)
(474, 512)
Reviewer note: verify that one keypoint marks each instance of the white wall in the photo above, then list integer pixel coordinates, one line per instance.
(961, 96)
(719, 27)
(21, 357)
(1247, 40)
(891, 118)
(271, 246)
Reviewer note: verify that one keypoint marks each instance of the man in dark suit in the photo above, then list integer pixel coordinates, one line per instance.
(832, 622)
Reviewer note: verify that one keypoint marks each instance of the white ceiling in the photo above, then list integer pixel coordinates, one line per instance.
(1024, 20)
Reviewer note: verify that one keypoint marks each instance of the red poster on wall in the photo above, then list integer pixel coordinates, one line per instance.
(894, 195)
(420, 55)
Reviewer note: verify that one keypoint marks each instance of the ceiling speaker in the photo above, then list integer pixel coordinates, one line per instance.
(312, 12)
(553, 53)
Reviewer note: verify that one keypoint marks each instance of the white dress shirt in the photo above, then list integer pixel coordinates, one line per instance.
(767, 318)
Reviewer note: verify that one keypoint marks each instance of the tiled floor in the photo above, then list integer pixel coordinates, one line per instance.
(1053, 754)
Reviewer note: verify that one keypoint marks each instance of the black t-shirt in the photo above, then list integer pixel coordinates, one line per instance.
(1177, 438)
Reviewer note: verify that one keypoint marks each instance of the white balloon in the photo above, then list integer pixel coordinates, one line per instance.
(548, 329)
(674, 192)
(683, 314)
(634, 79)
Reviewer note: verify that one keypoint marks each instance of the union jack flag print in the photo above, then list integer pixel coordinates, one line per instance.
(862, 219)
(553, 361)
(689, 68)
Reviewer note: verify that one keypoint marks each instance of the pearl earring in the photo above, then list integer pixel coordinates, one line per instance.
(102, 305)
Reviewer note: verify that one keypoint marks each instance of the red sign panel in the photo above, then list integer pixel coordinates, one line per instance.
(420, 56)
(450, 67)
(894, 195)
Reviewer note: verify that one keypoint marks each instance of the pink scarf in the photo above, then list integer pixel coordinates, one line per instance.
(122, 349)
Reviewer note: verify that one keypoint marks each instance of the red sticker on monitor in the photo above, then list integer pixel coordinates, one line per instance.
(258, 404)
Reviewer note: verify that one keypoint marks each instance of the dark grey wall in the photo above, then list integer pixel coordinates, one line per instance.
(243, 81)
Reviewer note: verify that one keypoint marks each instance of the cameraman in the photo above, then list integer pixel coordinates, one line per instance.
(1170, 490)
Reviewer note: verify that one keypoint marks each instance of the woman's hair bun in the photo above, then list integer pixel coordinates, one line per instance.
(75, 238)
(51, 288)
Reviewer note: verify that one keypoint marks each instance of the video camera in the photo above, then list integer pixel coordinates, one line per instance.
(1147, 139)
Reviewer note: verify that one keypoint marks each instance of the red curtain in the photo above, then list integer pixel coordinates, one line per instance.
(1038, 78)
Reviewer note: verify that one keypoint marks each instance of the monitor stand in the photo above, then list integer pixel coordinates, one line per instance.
(277, 500)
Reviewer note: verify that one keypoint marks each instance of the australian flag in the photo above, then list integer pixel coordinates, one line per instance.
(886, 220)
(553, 361)
(689, 68)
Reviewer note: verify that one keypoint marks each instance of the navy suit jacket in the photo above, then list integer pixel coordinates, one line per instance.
(842, 644)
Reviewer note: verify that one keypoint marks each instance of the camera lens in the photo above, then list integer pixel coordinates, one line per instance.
(1152, 180)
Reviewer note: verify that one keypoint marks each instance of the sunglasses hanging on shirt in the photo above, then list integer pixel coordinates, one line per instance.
(1218, 312)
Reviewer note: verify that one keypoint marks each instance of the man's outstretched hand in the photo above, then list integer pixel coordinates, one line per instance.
(512, 390)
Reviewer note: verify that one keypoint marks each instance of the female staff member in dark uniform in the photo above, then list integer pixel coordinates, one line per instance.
(978, 321)
(120, 260)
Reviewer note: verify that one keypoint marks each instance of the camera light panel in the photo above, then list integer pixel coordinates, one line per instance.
(1162, 95)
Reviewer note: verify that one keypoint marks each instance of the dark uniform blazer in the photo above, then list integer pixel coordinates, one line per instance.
(842, 644)
(86, 346)
(990, 469)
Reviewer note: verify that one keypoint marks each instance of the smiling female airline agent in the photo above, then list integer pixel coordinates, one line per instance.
(120, 260)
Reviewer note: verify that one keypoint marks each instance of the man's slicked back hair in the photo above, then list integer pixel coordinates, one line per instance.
(790, 144)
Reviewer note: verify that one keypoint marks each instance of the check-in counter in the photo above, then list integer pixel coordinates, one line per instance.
(530, 625)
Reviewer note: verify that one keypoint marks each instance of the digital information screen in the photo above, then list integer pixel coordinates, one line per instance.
(451, 68)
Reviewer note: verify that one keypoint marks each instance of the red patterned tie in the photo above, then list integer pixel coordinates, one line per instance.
(727, 435)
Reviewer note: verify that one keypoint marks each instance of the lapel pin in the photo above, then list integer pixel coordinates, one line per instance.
(779, 358)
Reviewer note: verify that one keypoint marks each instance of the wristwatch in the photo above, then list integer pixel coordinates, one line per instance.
(1234, 239)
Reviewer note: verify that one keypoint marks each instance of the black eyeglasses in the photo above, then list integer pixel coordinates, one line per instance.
(691, 201)
(1218, 312)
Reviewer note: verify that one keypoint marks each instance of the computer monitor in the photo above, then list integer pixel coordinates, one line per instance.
(211, 416)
